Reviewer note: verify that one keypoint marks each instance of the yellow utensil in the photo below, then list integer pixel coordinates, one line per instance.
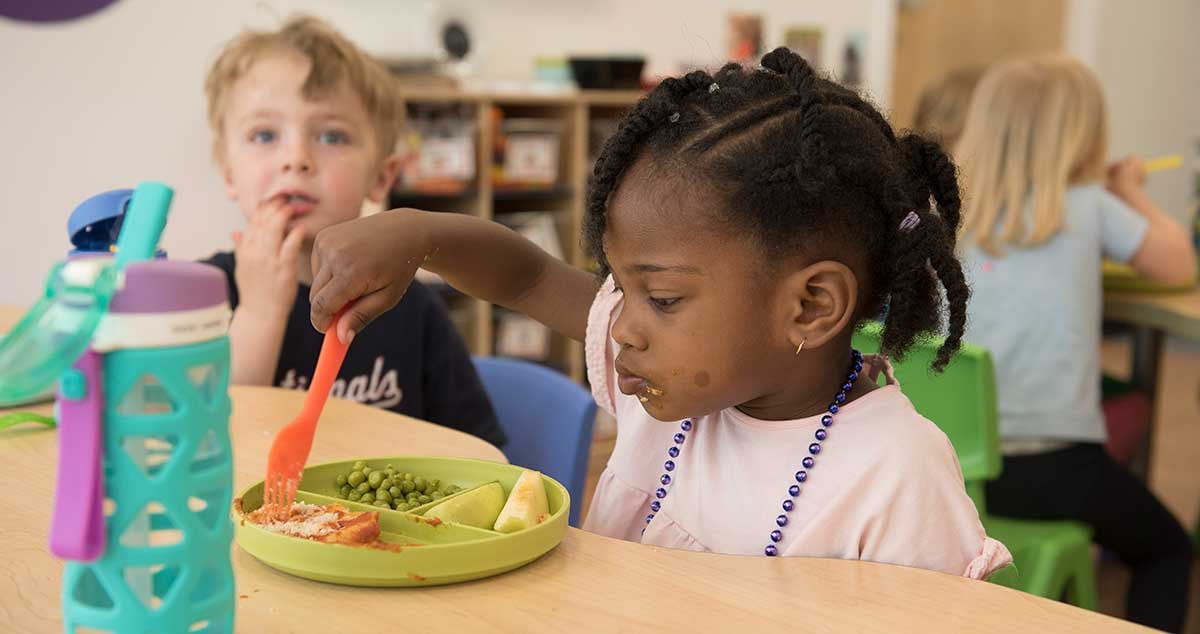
(1168, 162)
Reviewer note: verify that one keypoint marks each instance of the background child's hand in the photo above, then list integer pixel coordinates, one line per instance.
(267, 255)
(368, 262)
(1126, 178)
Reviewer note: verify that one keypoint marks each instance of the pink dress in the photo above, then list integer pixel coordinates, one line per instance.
(886, 487)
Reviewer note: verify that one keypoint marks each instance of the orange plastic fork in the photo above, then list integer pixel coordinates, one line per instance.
(293, 442)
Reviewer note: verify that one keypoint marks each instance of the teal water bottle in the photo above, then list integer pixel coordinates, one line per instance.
(168, 474)
(145, 472)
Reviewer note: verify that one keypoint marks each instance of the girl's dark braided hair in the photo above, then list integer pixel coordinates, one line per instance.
(807, 167)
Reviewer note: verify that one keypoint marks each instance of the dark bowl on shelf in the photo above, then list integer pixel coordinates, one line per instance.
(607, 73)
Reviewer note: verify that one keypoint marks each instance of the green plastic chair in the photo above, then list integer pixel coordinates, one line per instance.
(1054, 559)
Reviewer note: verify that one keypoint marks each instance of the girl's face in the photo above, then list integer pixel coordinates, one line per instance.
(697, 329)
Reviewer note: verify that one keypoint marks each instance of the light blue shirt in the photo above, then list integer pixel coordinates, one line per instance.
(1038, 311)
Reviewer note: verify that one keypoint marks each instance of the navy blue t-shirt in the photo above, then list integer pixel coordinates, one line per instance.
(410, 360)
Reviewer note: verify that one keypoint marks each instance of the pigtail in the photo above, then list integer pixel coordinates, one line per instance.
(924, 248)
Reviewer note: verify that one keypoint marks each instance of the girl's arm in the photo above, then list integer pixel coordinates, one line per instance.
(1166, 254)
(371, 261)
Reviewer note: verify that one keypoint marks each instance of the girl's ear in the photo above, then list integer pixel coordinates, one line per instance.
(817, 303)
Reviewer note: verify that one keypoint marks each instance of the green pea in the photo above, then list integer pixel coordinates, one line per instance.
(402, 506)
(358, 466)
(407, 486)
(387, 483)
(435, 483)
(367, 471)
(375, 479)
(354, 496)
(383, 505)
(408, 476)
(396, 492)
(345, 490)
(367, 498)
(420, 483)
(412, 497)
(355, 478)
(425, 499)
(363, 487)
(383, 494)
(341, 479)
(390, 471)
(436, 495)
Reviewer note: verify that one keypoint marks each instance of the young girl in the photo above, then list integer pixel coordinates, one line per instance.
(1037, 221)
(745, 224)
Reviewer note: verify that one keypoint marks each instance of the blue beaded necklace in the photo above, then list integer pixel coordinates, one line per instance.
(801, 476)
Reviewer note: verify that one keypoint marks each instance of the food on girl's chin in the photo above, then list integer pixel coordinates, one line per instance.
(649, 391)
(390, 488)
(479, 507)
(526, 506)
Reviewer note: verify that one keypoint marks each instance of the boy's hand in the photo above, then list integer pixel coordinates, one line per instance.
(1126, 178)
(267, 255)
(369, 263)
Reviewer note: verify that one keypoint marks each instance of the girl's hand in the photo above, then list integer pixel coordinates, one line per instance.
(1126, 178)
(367, 263)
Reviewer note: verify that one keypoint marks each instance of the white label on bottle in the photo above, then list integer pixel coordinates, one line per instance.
(161, 330)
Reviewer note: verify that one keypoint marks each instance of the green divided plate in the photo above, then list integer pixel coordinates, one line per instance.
(438, 553)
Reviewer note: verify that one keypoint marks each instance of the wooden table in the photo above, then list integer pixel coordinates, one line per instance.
(1174, 313)
(1153, 315)
(587, 583)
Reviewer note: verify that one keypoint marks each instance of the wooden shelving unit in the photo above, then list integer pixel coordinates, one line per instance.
(574, 112)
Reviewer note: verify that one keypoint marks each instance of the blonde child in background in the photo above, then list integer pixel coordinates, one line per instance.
(304, 126)
(745, 223)
(942, 109)
(1041, 212)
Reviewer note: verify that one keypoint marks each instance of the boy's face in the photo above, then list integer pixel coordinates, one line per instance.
(319, 155)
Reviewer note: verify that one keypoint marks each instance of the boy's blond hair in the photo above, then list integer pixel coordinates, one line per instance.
(1035, 126)
(333, 59)
(942, 109)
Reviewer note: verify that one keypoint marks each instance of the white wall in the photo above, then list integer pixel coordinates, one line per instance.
(116, 97)
(1147, 56)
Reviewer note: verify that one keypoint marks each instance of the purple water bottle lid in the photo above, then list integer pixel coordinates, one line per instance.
(167, 286)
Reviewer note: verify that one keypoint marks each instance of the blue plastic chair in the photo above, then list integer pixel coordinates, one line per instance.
(548, 419)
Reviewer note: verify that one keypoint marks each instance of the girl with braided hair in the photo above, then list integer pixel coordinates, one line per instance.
(745, 223)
